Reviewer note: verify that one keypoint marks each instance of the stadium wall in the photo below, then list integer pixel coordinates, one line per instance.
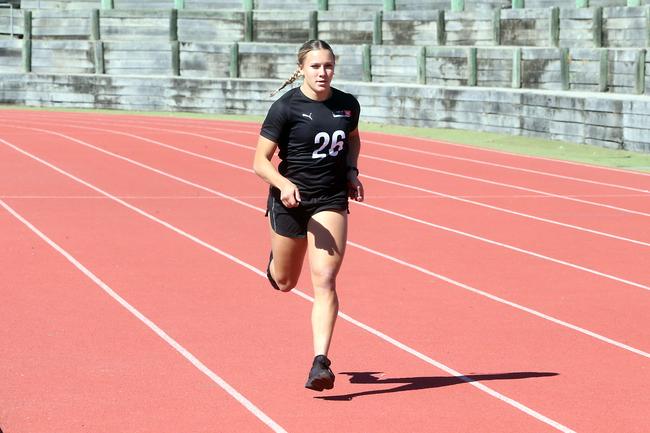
(613, 121)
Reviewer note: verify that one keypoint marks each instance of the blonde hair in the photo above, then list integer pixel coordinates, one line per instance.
(311, 45)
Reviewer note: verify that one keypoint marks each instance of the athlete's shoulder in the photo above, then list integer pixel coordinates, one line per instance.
(340, 94)
(288, 96)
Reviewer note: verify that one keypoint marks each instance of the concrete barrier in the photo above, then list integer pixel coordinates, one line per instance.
(527, 27)
(205, 60)
(473, 28)
(353, 27)
(211, 26)
(559, 115)
(74, 57)
(413, 28)
(140, 58)
(394, 64)
(286, 27)
(626, 26)
(11, 53)
(135, 25)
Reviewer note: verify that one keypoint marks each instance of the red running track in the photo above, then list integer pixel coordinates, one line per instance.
(482, 291)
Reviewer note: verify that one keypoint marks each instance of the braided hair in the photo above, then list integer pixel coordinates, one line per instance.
(311, 45)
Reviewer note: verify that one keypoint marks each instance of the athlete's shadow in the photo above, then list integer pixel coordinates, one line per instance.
(423, 382)
(323, 237)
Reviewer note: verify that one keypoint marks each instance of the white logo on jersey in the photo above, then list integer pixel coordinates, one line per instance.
(308, 116)
(342, 113)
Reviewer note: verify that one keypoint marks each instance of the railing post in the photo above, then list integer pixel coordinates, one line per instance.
(313, 24)
(516, 68)
(554, 27)
(457, 5)
(176, 58)
(472, 66)
(639, 84)
(99, 57)
(248, 26)
(603, 78)
(377, 32)
(496, 26)
(173, 25)
(234, 60)
(389, 5)
(598, 27)
(367, 63)
(565, 68)
(440, 31)
(422, 65)
(27, 41)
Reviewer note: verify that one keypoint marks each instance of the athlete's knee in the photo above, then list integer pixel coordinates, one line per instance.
(285, 282)
(324, 278)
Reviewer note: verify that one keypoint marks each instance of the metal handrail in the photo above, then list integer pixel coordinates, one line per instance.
(11, 15)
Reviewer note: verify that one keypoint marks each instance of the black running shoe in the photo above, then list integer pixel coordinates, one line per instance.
(320, 375)
(268, 273)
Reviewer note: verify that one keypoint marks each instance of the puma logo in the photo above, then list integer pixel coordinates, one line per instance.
(308, 116)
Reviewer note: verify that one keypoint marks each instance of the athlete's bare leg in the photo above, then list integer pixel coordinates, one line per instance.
(327, 235)
(288, 256)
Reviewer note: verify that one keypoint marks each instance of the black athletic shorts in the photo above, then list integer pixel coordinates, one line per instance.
(292, 222)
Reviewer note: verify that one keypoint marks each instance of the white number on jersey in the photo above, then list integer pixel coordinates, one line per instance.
(323, 139)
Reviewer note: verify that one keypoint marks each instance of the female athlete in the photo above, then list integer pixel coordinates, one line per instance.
(315, 128)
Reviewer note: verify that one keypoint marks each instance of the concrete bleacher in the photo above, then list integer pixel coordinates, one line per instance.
(491, 51)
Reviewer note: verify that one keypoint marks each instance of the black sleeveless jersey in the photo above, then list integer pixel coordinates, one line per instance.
(313, 140)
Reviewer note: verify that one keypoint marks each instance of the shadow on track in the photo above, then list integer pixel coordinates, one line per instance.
(418, 383)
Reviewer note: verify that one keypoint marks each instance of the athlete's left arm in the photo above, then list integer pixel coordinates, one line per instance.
(355, 188)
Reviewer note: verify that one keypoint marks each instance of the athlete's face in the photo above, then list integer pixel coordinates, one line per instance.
(318, 71)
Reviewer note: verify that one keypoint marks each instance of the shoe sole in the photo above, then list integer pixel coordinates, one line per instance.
(320, 383)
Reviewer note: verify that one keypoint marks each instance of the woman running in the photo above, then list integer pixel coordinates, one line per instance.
(315, 128)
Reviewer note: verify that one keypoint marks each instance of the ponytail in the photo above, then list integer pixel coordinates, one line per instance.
(290, 80)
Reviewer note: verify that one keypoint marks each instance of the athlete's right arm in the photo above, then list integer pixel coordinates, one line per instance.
(265, 169)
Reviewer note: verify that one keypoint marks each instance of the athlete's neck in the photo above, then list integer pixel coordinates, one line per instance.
(316, 96)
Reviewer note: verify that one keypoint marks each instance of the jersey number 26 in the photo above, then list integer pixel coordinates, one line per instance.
(323, 139)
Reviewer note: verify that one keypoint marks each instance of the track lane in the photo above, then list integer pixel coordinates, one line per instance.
(492, 266)
(481, 156)
(168, 296)
(567, 211)
(355, 267)
(74, 360)
(237, 182)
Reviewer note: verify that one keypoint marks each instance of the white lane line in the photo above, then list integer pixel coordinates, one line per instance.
(364, 155)
(375, 332)
(509, 167)
(503, 301)
(377, 208)
(408, 149)
(507, 246)
(507, 185)
(512, 212)
(383, 255)
(130, 197)
(435, 193)
(150, 324)
(206, 124)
